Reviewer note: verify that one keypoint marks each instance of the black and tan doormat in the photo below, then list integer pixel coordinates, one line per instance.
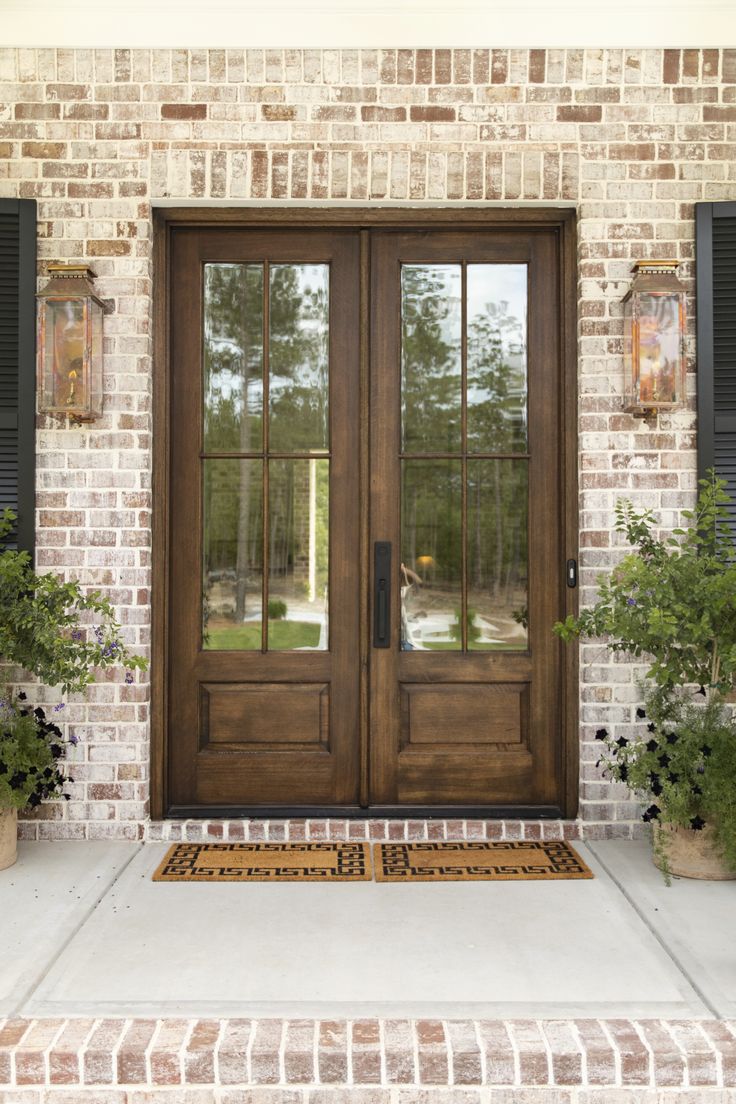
(477, 860)
(266, 862)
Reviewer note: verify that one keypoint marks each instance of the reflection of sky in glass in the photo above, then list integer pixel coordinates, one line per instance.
(499, 283)
(496, 395)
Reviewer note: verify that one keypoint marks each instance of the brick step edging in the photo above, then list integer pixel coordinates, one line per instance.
(606, 1053)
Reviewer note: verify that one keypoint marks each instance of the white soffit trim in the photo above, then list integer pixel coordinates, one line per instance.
(332, 24)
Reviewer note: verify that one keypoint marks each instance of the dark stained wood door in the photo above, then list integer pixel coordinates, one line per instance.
(263, 671)
(466, 488)
(367, 520)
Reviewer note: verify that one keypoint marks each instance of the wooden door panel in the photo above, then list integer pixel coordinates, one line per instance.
(451, 725)
(456, 713)
(259, 715)
(254, 718)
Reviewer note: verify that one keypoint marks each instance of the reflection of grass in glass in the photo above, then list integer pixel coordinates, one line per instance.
(281, 635)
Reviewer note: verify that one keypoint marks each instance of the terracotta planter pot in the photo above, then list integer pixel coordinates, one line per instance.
(692, 854)
(8, 837)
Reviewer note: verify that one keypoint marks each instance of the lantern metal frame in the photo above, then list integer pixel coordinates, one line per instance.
(654, 339)
(69, 344)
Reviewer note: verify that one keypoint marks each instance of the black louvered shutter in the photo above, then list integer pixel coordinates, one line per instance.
(17, 363)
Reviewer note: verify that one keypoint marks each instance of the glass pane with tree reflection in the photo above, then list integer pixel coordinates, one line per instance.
(497, 554)
(299, 358)
(496, 373)
(431, 363)
(299, 510)
(431, 554)
(232, 554)
(233, 357)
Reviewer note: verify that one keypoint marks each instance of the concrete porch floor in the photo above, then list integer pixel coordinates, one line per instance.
(86, 933)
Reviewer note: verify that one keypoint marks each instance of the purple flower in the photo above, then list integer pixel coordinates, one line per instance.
(77, 634)
(631, 601)
(129, 677)
(58, 707)
(74, 740)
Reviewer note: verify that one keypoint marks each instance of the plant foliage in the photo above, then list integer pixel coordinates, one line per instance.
(672, 603)
(43, 630)
(41, 626)
(31, 747)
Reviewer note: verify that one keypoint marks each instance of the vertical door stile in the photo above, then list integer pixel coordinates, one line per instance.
(364, 496)
(464, 455)
(266, 525)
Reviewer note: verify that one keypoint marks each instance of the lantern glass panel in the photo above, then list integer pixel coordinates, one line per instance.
(95, 363)
(64, 339)
(659, 348)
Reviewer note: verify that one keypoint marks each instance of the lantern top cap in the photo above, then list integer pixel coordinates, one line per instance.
(664, 266)
(71, 271)
(71, 281)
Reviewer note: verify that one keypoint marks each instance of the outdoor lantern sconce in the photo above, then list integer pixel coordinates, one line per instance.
(654, 336)
(70, 344)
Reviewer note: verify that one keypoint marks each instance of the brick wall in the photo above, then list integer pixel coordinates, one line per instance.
(632, 138)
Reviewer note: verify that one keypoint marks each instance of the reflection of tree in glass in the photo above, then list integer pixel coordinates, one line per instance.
(497, 417)
(233, 412)
(233, 363)
(233, 357)
(496, 381)
(290, 539)
(298, 355)
(497, 423)
(430, 357)
(474, 631)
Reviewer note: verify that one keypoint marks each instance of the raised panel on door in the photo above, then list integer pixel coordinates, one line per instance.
(263, 667)
(466, 488)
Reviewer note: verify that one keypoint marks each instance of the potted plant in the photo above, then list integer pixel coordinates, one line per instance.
(53, 630)
(672, 603)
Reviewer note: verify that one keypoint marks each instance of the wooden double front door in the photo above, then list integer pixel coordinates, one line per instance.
(367, 541)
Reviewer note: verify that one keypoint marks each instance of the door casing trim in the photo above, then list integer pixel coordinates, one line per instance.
(166, 220)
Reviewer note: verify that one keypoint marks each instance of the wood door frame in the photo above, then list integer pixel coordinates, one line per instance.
(165, 223)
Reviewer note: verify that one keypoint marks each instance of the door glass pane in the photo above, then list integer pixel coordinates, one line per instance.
(233, 357)
(431, 361)
(232, 554)
(497, 379)
(298, 493)
(299, 358)
(431, 556)
(497, 554)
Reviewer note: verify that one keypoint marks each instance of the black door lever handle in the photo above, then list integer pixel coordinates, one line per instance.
(382, 594)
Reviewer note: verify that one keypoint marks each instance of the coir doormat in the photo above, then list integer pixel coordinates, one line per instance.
(351, 862)
(476, 861)
(266, 862)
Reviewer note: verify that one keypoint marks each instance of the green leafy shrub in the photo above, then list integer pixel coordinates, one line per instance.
(672, 604)
(44, 630)
(474, 630)
(277, 609)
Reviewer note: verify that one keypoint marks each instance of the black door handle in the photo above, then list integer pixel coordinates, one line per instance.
(382, 594)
